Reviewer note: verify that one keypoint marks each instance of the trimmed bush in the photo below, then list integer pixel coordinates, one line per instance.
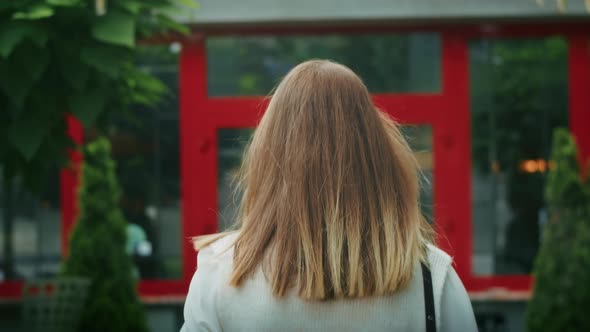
(562, 269)
(97, 249)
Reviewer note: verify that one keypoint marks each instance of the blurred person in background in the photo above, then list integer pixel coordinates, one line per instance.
(330, 236)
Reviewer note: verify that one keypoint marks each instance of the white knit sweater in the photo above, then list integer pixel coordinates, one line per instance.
(213, 305)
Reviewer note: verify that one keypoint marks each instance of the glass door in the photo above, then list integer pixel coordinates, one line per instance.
(391, 65)
(409, 75)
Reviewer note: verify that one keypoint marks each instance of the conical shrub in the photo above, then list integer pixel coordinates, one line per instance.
(561, 295)
(97, 249)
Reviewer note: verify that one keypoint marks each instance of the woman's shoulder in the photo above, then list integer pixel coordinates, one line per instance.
(218, 252)
(438, 257)
(214, 264)
(440, 267)
(439, 262)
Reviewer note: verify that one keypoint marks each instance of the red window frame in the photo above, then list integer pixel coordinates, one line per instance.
(447, 112)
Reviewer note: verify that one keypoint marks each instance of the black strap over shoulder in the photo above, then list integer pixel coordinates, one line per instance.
(428, 299)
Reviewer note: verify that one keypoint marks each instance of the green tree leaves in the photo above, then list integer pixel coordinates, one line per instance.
(35, 12)
(565, 188)
(14, 32)
(116, 28)
(58, 57)
(106, 60)
(86, 106)
(65, 3)
(26, 135)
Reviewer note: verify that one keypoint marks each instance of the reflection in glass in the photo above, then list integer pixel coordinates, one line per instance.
(518, 95)
(420, 140)
(36, 230)
(387, 63)
(145, 146)
(231, 145)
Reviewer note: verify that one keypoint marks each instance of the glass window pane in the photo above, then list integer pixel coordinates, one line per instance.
(519, 94)
(387, 63)
(145, 146)
(231, 144)
(420, 140)
(36, 230)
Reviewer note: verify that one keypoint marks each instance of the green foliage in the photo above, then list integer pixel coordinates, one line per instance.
(253, 65)
(565, 188)
(562, 269)
(519, 92)
(520, 83)
(65, 56)
(97, 249)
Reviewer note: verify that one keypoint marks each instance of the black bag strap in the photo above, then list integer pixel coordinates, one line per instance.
(428, 299)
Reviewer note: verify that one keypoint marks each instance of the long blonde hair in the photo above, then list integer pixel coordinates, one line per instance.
(330, 202)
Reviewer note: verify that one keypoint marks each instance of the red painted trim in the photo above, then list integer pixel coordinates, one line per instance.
(579, 98)
(11, 289)
(509, 282)
(146, 289)
(150, 288)
(412, 108)
(69, 181)
(246, 104)
(516, 31)
(193, 146)
(452, 156)
(236, 112)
